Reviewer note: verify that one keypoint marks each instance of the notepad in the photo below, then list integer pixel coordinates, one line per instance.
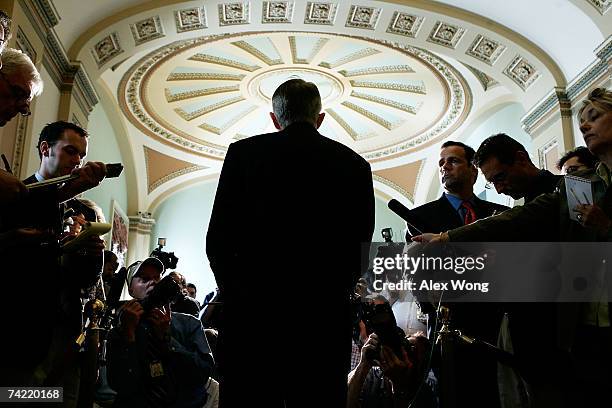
(89, 229)
(578, 192)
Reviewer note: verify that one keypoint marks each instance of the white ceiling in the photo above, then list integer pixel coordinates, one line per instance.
(548, 42)
(559, 27)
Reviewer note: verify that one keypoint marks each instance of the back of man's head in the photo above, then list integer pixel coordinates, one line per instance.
(53, 132)
(296, 101)
(500, 146)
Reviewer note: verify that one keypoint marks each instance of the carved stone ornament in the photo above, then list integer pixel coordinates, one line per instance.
(320, 13)
(190, 19)
(485, 49)
(363, 17)
(405, 24)
(147, 30)
(277, 12)
(106, 49)
(234, 13)
(601, 5)
(522, 72)
(445, 34)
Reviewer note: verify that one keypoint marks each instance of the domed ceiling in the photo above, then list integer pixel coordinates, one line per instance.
(380, 98)
(397, 77)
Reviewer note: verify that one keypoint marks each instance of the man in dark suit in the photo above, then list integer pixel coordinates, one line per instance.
(474, 376)
(458, 205)
(291, 211)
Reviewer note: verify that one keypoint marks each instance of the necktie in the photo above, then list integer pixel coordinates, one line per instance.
(469, 214)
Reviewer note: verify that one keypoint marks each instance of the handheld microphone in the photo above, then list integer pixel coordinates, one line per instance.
(404, 213)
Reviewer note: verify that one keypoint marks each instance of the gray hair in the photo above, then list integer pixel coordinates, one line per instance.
(296, 101)
(17, 62)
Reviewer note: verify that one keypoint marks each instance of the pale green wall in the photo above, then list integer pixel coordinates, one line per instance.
(386, 218)
(103, 147)
(183, 220)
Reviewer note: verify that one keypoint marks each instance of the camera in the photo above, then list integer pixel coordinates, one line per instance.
(167, 258)
(379, 319)
(164, 292)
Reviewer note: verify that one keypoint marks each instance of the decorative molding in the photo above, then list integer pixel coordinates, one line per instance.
(191, 76)
(485, 49)
(46, 9)
(320, 13)
(234, 13)
(347, 128)
(64, 73)
(405, 24)
(557, 98)
(604, 50)
(363, 17)
(387, 69)
(20, 139)
(85, 87)
(129, 98)
(171, 176)
(141, 223)
(387, 102)
(315, 50)
(24, 45)
(601, 5)
(544, 151)
(396, 187)
(147, 30)
(418, 89)
(523, 73)
(357, 55)
(446, 34)
(207, 109)
(277, 12)
(486, 81)
(181, 96)
(224, 61)
(245, 46)
(372, 116)
(190, 19)
(232, 121)
(106, 49)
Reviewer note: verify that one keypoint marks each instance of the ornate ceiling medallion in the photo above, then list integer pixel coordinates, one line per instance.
(405, 24)
(106, 49)
(522, 72)
(190, 19)
(485, 49)
(446, 34)
(363, 17)
(383, 98)
(234, 13)
(277, 12)
(146, 30)
(320, 13)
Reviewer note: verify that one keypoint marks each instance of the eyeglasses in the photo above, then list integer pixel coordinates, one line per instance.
(497, 179)
(20, 95)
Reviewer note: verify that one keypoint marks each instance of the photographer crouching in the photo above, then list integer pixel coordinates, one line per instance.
(157, 358)
(393, 369)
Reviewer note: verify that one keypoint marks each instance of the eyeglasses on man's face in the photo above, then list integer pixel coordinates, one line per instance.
(497, 179)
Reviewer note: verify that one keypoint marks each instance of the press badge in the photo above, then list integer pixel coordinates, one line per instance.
(156, 368)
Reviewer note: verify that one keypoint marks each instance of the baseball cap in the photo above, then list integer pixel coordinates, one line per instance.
(135, 268)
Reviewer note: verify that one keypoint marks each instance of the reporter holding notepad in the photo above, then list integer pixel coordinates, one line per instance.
(587, 337)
